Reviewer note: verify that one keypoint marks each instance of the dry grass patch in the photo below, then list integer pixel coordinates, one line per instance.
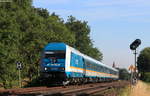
(141, 89)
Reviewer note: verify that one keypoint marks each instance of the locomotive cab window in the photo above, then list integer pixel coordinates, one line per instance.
(55, 54)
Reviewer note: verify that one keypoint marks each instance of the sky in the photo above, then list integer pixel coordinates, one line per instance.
(114, 24)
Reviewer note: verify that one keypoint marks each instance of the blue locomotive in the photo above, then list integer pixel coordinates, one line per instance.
(61, 62)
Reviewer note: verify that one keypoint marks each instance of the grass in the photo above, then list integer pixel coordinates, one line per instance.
(127, 91)
(148, 88)
(124, 91)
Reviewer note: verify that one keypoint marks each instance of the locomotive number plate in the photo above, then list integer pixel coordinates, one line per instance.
(54, 68)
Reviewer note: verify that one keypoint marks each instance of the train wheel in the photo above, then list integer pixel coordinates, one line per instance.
(65, 83)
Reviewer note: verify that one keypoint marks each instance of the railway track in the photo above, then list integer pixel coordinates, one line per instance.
(72, 90)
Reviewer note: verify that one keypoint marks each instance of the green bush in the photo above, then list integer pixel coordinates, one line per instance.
(146, 77)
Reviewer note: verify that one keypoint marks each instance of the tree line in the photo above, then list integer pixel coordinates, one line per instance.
(25, 30)
(143, 64)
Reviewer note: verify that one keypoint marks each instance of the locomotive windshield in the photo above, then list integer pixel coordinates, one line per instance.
(55, 54)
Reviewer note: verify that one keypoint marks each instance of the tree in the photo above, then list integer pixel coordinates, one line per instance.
(124, 74)
(82, 35)
(144, 60)
(143, 64)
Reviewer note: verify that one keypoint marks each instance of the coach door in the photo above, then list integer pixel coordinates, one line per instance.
(84, 68)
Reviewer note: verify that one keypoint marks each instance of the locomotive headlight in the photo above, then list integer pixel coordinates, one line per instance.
(45, 68)
(61, 68)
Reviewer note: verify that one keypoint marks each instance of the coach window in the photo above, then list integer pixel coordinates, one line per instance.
(107, 71)
(91, 67)
(97, 67)
(87, 64)
(94, 66)
(111, 71)
(100, 69)
(114, 72)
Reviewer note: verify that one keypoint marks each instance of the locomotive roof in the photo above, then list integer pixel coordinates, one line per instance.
(55, 46)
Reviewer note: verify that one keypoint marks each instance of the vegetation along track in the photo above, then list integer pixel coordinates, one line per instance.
(72, 90)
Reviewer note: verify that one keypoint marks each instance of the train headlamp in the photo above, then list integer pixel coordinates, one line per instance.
(45, 68)
(62, 68)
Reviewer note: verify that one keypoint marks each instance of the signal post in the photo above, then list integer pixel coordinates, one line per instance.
(19, 68)
(134, 71)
